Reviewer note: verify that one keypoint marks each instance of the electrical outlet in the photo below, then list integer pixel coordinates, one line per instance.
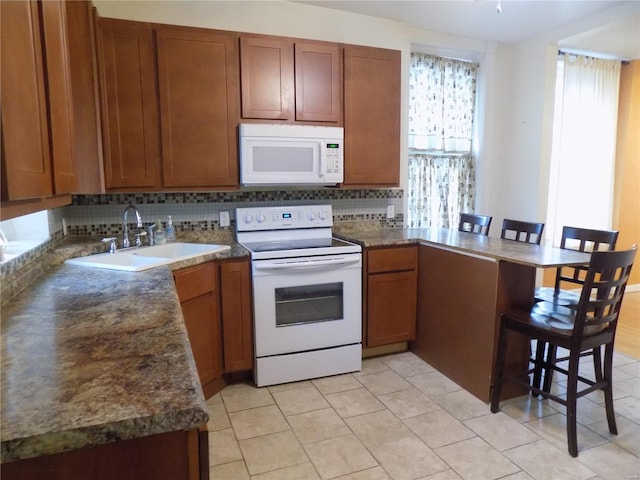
(224, 219)
(391, 211)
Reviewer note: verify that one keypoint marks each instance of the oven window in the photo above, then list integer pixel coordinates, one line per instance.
(309, 303)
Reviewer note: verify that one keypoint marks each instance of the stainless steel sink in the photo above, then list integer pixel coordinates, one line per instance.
(144, 258)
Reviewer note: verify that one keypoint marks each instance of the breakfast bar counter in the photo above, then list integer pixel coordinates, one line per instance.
(465, 281)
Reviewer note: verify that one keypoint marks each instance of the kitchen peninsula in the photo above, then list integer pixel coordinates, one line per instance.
(464, 282)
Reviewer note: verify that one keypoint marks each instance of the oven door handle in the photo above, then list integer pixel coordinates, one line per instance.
(306, 264)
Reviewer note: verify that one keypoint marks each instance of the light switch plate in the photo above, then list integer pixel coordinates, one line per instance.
(224, 219)
(391, 211)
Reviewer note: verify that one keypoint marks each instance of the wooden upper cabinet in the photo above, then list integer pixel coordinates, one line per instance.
(87, 147)
(266, 77)
(60, 96)
(371, 116)
(318, 81)
(199, 106)
(31, 33)
(129, 104)
(292, 81)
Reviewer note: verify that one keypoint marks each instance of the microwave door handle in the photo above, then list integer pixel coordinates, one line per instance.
(323, 168)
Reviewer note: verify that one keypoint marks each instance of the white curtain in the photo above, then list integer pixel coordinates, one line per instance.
(583, 147)
(441, 172)
(440, 188)
(441, 100)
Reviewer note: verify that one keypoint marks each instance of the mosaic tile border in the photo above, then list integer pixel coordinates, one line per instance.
(105, 229)
(236, 196)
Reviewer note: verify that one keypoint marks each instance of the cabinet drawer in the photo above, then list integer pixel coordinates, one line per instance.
(392, 259)
(192, 282)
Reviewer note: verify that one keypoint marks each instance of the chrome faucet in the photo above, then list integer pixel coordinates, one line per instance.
(125, 235)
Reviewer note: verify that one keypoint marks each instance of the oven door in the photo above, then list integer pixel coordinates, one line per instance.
(307, 303)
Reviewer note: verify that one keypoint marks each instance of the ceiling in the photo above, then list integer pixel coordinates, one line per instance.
(520, 20)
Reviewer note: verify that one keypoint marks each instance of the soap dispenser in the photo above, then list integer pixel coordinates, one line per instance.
(170, 232)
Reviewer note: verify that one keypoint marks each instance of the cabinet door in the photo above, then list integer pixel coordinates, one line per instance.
(25, 137)
(371, 116)
(237, 323)
(198, 85)
(197, 289)
(203, 326)
(266, 66)
(391, 313)
(318, 81)
(60, 97)
(129, 104)
(84, 88)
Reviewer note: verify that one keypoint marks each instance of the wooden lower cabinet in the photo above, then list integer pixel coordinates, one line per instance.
(237, 323)
(216, 305)
(181, 455)
(391, 280)
(199, 295)
(202, 319)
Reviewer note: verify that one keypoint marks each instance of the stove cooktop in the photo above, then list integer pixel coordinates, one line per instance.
(300, 248)
(288, 232)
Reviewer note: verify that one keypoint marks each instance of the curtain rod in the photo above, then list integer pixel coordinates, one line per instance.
(561, 52)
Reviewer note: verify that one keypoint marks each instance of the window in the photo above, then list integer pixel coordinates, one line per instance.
(442, 96)
(583, 145)
(24, 233)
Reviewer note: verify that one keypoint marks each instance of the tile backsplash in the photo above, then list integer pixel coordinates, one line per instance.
(196, 211)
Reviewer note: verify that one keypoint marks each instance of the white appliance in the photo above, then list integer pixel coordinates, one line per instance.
(291, 154)
(307, 294)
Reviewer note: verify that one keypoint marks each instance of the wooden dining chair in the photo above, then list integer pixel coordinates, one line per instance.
(528, 232)
(582, 240)
(472, 223)
(591, 324)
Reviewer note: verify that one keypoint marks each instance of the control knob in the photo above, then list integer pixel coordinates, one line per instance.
(248, 218)
(260, 218)
(311, 216)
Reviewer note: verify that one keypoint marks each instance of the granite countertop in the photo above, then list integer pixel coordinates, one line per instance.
(91, 356)
(468, 243)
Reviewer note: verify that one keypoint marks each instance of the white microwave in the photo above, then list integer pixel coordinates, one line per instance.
(291, 154)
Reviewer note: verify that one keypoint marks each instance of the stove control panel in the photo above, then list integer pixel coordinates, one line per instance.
(283, 218)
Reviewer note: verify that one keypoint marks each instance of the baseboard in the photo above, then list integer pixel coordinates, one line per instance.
(632, 288)
(384, 349)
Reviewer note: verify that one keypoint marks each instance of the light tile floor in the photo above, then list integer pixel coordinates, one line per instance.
(400, 419)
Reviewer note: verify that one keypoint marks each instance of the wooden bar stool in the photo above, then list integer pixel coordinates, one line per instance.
(529, 232)
(583, 240)
(471, 223)
(590, 325)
